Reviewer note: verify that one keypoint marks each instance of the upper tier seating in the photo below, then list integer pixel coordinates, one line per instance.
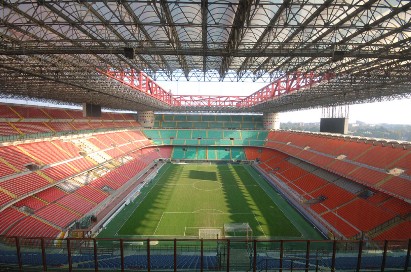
(366, 162)
(20, 121)
(190, 121)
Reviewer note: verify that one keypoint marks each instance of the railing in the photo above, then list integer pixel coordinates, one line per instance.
(201, 255)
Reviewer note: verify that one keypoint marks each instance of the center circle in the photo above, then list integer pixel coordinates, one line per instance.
(207, 185)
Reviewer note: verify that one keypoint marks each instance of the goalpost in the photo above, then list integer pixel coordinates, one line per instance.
(241, 231)
(209, 233)
(238, 230)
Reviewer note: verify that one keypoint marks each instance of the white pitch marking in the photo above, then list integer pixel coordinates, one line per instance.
(158, 224)
(259, 225)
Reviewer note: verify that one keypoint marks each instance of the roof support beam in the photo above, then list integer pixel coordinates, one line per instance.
(165, 16)
(263, 36)
(145, 33)
(204, 18)
(266, 65)
(241, 16)
(200, 52)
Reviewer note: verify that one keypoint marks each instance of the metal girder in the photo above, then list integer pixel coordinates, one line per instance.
(241, 16)
(285, 85)
(204, 17)
(174, 39)
(379, 51)
(146, 34)
(62, 43)
(327, 53)
(142, 83)
(266, 65)
(267, 30)
(342, 90)
(211, 101)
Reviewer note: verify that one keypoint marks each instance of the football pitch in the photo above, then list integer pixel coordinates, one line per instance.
(184, 198)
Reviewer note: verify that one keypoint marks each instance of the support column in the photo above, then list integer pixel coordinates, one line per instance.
(91, 110)
(146, 118)
(271, 120)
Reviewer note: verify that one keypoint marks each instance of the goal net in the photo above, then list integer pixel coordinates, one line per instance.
(238, 230)
(209, 233)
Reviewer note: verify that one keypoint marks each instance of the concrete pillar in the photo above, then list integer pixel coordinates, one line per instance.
(271, 120)
(90, 110)
(146, 118)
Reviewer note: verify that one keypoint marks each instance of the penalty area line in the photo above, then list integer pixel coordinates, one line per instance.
(259, 225)
(158, 224)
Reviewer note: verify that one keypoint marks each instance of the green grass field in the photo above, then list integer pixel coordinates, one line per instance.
(186, 197)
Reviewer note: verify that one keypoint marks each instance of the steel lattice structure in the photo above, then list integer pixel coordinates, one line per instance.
(56, 49)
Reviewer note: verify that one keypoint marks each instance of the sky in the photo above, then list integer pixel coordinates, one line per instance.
(392, 112)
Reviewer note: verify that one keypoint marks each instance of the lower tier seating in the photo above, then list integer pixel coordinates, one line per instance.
(207, 153)
(53, 209)
(375, 164)
(343, 205)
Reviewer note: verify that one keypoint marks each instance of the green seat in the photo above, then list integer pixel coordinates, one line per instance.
(262, 135)
(191, 142)
(193, 118)
(248, 125)
(211, 118)
(224, 142)
(184, 124)
(207, 142)
(168, 117)
(178, 153)
(152, 133)
(168, 133)
(166, 142)
(237, 153)
(184, 134)
(179, 117)
(179, 142)
(200, 124)
(201, 153)
(215, 134)
(212, 153)
(167, 124)
(223, 154)
(256, 143)
(191, 153)
(240, 142)
(236, 134)
(199, 133)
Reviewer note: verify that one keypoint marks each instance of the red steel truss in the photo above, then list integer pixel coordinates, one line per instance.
(141, 82)
(206, 100)
(285, 85)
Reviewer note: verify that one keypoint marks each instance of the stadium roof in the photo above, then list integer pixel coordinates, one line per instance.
(356, 50)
